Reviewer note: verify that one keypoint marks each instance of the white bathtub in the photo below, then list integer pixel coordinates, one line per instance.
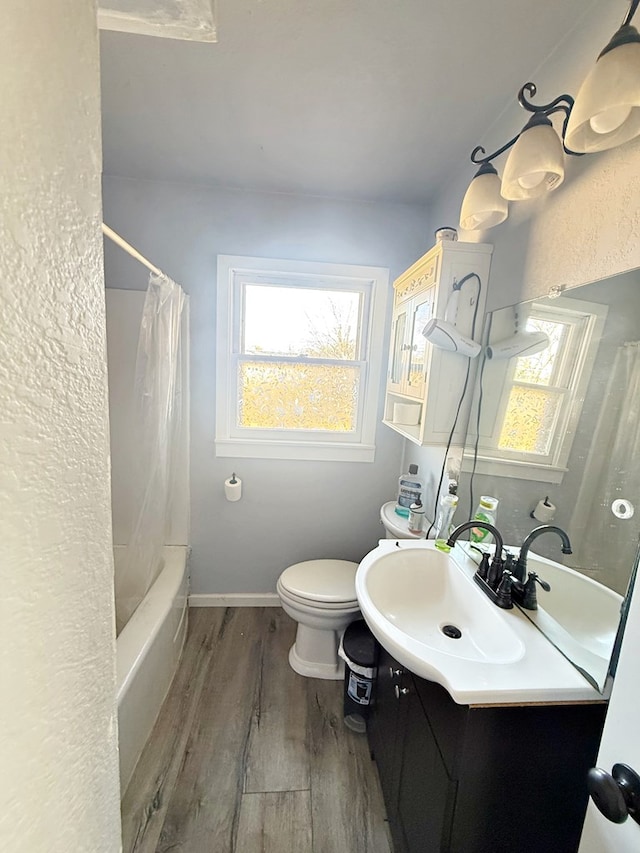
(148, 651)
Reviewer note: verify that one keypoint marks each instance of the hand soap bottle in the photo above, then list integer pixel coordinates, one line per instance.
(410, 488)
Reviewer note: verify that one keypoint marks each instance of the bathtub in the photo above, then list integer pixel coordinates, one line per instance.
(148, 650)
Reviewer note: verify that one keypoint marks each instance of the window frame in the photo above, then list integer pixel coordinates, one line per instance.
(234, 274)
(586, 321)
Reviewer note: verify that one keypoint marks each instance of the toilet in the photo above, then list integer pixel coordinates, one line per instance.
(321, 596)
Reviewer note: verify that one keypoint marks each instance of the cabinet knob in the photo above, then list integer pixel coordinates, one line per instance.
(401, 691)
(395, 673)
(615, 794)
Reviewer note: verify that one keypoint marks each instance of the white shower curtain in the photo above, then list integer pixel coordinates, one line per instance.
(157, 408)
(609, 543)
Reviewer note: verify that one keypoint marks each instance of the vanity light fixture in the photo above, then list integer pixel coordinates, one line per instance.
(483, 206)
(605, 114)
(535, 165)
(607, 108)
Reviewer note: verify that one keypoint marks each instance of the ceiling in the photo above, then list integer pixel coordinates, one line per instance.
(360, 99)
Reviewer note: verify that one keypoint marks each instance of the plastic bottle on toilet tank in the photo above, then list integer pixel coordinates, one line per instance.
(410, 488)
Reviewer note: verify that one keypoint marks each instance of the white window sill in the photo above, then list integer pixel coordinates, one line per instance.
(512, 468)
(308, 451)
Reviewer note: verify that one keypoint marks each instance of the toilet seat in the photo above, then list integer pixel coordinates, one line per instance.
(321, 606)
(327, 584)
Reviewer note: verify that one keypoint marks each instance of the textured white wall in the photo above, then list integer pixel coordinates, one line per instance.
(290, 510)
(59, 788)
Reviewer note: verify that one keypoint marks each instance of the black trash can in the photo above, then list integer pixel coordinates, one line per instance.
(358, 650)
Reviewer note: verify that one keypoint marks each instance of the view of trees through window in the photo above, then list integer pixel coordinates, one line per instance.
(299, 368)
(534, 402)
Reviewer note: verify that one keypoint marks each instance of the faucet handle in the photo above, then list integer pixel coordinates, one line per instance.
(503, 592)
(529, 597)
(483, 567)
(495, 570)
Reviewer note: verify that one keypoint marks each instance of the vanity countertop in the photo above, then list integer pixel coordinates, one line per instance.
(537, 674)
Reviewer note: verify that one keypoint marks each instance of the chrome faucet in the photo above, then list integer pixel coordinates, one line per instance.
(520, 569)
(494, 569)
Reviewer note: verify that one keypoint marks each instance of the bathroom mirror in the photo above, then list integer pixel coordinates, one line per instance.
(558, 432)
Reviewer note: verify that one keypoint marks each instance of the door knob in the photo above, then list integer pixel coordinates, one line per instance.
(615, 794)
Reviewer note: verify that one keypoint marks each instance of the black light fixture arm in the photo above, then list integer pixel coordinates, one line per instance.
(632, 10)
(480, 150)
(561, 104)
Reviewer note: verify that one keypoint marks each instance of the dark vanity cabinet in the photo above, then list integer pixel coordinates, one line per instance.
(480, 779)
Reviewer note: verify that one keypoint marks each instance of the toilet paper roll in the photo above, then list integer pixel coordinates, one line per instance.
(544, 511)
(233, 488)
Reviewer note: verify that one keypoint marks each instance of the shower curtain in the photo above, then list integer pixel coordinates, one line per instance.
(607, 544)
(157, 423)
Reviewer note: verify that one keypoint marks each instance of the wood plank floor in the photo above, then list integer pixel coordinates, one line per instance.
(247, 756)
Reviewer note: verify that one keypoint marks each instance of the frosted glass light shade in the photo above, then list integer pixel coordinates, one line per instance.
(535, 164)
(482, 205)
(606, 112)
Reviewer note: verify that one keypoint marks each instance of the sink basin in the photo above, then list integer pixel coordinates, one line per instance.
(430, 615)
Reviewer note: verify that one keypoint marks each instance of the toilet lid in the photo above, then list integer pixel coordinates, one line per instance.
(322, 580)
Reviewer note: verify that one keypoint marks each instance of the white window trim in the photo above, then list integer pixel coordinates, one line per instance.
(312, 445)
(511, 464)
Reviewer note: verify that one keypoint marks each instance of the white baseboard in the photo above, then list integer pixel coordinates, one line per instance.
(234, 599)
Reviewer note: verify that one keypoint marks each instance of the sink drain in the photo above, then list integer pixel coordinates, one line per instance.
(451, 631)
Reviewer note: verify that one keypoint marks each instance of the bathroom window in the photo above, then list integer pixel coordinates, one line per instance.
(299, 359)
(531, 404)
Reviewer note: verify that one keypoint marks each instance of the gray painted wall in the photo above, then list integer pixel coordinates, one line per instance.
(290, 511)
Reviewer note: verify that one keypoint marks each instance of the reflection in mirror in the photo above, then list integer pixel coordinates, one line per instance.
(558, 429)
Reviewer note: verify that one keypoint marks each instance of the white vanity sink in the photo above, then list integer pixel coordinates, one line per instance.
(412, 596)
(418, 599)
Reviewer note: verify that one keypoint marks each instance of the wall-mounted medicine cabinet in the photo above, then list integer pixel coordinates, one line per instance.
(425, 383)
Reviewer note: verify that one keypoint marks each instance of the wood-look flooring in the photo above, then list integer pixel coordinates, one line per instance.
(248, 757)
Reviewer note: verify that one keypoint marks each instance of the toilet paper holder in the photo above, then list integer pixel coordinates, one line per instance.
(544, 511)
(233, 488)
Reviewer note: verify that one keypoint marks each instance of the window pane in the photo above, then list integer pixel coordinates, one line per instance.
(538, 369)
(298, 396)
(301, 321)
(529, 420)
(421, 317)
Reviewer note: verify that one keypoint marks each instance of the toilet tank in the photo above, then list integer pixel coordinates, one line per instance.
(396, 525)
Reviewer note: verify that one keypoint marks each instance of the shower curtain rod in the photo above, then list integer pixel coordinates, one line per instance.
(128, 248)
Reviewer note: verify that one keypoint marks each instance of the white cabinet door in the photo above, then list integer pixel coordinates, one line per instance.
(620, 744)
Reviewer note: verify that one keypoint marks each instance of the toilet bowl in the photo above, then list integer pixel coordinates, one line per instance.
(321, 596)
